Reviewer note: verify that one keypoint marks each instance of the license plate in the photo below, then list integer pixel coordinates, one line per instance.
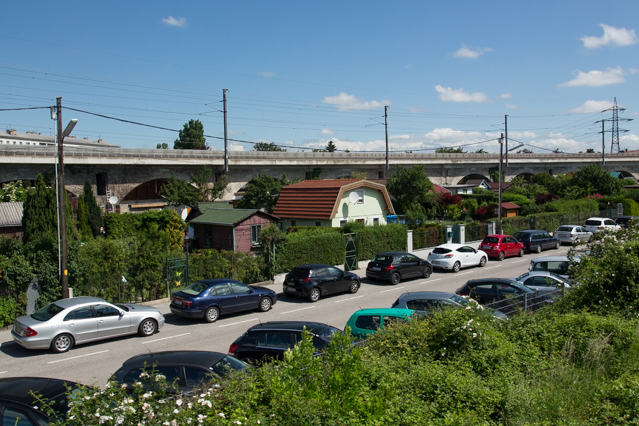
(435, 262)
(375, 268)
(290, 288)
(177, 302)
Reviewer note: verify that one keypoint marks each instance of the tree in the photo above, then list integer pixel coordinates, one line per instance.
(450, 150)
(267, 146)
(262, 192)
(596, 180)
(12, 192)
(590, 151)
(175, 231)
(481, 151)
(178, 192)
(203, 184)
(84, 229)
(39, 212)
(191, 136)
(409, 186)
(331, 147)
(95, 219)
(162, 145)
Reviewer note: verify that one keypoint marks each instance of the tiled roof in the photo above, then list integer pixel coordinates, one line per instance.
(475, 182)
(495, 185)
(317, 199)
(509, 205)
(224, 216)
(440, 189)
(11, 214)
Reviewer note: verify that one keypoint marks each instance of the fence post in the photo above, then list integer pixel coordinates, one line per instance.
(462, 234)
(449, 233)
(409, 241)
(525, 302)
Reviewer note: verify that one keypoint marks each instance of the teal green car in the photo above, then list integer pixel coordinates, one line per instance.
(368, 321)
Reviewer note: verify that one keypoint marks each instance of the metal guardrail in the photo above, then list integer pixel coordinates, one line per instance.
(526, 302)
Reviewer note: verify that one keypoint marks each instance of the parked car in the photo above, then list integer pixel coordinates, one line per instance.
(545, 282)
(317, 280)
(427, 301)
(19, 414)
(572, 234)
(456, 256)
(598, 224)
(535, 240)
(368, 321)
(395, 266)
(500, 246)
(209, 299)
(20, 390)
(556, 264)
(68, 322)
(269, 341)
(623, 220)
(188, 369)
(507, 295)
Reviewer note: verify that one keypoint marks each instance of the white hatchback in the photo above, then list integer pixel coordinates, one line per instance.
(456, 256)
(598, 224)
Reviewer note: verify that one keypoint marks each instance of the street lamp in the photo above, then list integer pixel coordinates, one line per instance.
(62, 200)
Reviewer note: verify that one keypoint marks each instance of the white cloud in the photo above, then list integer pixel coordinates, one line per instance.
(611, 36)
(346, 102)
(629, 138)
(175, 22)
(266, 74)
(511, 106)
(590, 107)
(448, 94)
(415, 109)
(467, 52)
(327, 132)
(234, 146)
(505, 96)
(596, 78)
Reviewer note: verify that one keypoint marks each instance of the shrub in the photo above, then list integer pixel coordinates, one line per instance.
(545, 198)
(318, 245)
(372, 240)
(211, 263)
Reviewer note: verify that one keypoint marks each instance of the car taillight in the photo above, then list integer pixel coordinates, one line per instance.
(187, 302)
(429, 253)
(600, 227)
(368, 266)
(29, 332)
(306, 280)
(572, 235)
(389, 268)
(450, 255)
(233, 348)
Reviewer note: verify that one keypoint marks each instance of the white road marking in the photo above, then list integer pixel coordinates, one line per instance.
(496, 266)
(519, 261)
(392, 289)
(239, 322)
(2, 372)
(164, 338)
(296, 310)
(76, 357)
(351, 298)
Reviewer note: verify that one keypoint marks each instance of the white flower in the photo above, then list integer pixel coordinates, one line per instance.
(474, 335)
(178, 402)
(468, 308)
(221, 415)
(176, 411)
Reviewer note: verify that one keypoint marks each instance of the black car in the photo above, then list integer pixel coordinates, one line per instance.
(504, 294)
(270, 340)
(315, 281)
(189, 369)
(623, 220)
(209, 299)
(394, 266)
(16, 400)
(537, 241)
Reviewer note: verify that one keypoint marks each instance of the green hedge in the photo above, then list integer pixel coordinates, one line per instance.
(373, 240)
(130, 224)
(320, 245)
(546, 221)
(208, 264)
(428, 237)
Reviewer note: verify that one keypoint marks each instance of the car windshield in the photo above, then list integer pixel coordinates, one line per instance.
(491, 240)
(461, 300)
(196, 288)
(227, 364)
(328, 333)
(557, 277)
(521, 277)
(46, 313)
(441, 250)
(383, 258)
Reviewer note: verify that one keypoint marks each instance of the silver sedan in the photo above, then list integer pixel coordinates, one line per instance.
(68, 322)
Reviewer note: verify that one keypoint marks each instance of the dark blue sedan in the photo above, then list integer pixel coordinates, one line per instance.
(209, 299)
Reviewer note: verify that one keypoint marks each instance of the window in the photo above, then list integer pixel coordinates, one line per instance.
(360, 194)
(342, 223)
(208, 236)
(15, 418)
(380, 175)
(422, 304)
(368, 322)
(221, 290)
(308, 176)
(391, 321)
(239, 288)
(81, 313)
(375, 221)
(293, 223)
(255, 233)
(334, 271)
(320, 272)
(275, 339)
(194, 376)
(101, 183)
(105, 311)
(318, 223)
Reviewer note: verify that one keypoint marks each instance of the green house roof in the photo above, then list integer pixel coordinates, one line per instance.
(214, 205)
(223, 216)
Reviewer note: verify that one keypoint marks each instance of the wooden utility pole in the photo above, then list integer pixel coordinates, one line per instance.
(226, 141)
(386, 129)
(501, 156)
(62, 203)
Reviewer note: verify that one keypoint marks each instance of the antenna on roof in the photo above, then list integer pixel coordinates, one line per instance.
(360, 308)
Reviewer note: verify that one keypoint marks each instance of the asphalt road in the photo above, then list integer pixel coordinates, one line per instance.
(95, 362)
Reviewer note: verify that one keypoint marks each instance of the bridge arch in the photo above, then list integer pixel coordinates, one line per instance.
(622, 174)
(149, 190)
(526, 175)
(473, 176)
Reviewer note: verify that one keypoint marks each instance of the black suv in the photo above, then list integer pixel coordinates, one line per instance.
(537, 241)
(394, 266)
(315, 281)
(623, 220)
(270, 340)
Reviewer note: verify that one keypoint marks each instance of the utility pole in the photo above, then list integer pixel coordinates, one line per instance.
(603, 143)
(614, 145)
(506, 135)
(386, 129)
(62, 203)
(501, 156)
(226, 141)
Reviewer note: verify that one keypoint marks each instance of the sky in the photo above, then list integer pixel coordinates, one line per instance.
(299, 74)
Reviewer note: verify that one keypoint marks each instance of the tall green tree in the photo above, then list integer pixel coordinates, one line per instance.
(262, 192)
(82, 223)
(267, 146)
(409, 186)
(331, 147)
(95, 219)
(39, 215)
(597, 180)
(191, 136)
(178, 192)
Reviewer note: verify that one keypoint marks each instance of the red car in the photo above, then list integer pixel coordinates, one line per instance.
(501, 246)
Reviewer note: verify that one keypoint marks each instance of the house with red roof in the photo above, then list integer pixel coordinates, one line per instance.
(333, 202)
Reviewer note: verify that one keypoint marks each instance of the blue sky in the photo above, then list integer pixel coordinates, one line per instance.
(302, 73)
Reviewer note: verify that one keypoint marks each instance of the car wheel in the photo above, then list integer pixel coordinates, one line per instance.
(395, 278)
(62, 343)
(538, 249)
(148, 327)
(353, 287)
(427, 272)
(315, 294)
(482, 262)
(501, 255)
(265, 304)
(211, 314)
(456, 267)
(521, 253)
(557, 244)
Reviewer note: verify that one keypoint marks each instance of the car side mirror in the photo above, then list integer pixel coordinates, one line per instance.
(121, 313)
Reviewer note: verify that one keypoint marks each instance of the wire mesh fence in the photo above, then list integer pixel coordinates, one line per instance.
(527, 302)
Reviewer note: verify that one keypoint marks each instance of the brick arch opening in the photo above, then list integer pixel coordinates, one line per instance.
(622, 174)
(527, 176)
(149, 190)
(471, 177)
